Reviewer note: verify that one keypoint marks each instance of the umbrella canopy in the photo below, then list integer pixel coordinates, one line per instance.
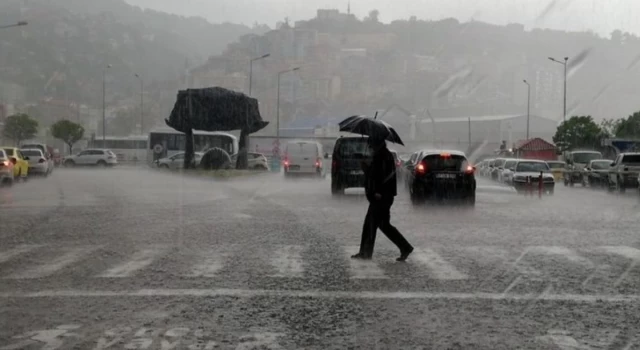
(215, 109)
(374, 128)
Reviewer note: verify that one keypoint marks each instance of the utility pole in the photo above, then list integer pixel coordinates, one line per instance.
(564, 104)
(104, 105)
(141, 103)
(528, 101)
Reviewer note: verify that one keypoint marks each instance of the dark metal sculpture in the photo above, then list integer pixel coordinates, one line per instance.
(215, 109)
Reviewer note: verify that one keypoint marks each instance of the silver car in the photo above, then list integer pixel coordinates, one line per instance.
(176, 161)
(6, 169)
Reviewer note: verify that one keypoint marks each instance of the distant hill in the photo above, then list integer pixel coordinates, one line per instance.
(62, 52)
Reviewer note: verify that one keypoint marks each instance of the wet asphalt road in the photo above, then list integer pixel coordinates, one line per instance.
(137, 259)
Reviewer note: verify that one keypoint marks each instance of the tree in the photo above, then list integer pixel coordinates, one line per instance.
(609, 127)
(20, 127)
(578, 132)
(373, 16)
(629, 127)
(67, 131)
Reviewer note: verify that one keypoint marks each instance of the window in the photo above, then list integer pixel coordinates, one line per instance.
(9, 151)
(601, 165)
(536, 167)
(83, 153)
(178, 156)
(32, 153)
(556, 165)
(437, 162)
(585, 157)
(509, 164)
(631, 159)
(353, 147)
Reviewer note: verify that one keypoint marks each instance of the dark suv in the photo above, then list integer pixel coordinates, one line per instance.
(443, 175)
(346, 170)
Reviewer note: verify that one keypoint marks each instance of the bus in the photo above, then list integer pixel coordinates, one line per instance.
(126, 148)
(166, 142)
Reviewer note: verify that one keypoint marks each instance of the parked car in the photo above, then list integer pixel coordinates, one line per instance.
(557, 169)
(91, 157)
(506, 176)
(498, 166)
(576, 161)
(6, 169)
(176, 161)
(255, 161)
(443, 175)
(38, 163)
(623, 172)
(20, 163)
(526, 176)
(346, 170)
(597, 173)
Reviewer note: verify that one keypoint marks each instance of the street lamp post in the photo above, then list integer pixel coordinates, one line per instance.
(528, 104)
(19, 24)
(566, 59)
(104, 105)
(278, 105)
(251, 69)
(141, 103)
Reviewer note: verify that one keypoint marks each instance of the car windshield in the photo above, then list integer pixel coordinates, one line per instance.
(532, 167)
(631, 159)
(585, 157)
(355, 147)
(437, 162)
(9, 151)
(601, 164)
(31, 153)
(556, 165)
(509, 164)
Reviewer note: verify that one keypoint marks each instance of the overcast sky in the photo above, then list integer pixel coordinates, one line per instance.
(601, 16)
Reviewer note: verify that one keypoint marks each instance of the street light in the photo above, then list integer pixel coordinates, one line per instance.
(528, 104)
(19, 24)
(278, 105)
(141, 103)
(564, 115)
(251, 70)
(104, 105)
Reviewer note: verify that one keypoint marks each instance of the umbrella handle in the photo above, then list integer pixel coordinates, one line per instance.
(375, 116)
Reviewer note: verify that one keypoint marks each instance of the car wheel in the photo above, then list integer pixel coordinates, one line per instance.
(102, 163)
(69, 164)
(471, 200)
(417, 197)
(620, 186)
(336, 187)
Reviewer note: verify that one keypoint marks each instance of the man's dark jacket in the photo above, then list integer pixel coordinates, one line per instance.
(381, 176)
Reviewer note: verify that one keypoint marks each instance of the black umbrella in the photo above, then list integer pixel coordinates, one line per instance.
(374, 128)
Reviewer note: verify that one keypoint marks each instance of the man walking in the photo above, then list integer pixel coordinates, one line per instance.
(380, 189)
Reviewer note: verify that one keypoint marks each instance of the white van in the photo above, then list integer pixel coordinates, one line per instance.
(304, 157)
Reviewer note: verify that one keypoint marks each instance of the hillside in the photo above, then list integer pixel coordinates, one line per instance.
(62, 52)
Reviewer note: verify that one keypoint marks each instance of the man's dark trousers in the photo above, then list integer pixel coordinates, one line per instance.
(379, 216)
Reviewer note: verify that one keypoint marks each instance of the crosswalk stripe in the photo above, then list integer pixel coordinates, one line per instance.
(288, 261)
(13, 252)
(567, 253)
(212, 262)
(138, 261)
(438, 266)
(363, 269)
(624, 251)
(503, 256)
(53, 266)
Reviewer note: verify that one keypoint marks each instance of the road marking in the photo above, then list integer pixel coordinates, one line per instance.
(53, 266)
(565, 252)
(13, 252)
(212, 262)
(363, 269)
(630, 253)
(138, 261)
(440, 268)
(505, 257)
(248, 293)
(288, 261)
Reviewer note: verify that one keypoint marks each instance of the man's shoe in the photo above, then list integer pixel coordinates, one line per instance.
(404, 255)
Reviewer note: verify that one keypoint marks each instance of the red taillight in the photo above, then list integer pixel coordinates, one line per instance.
(421, 168)
(42, 160)
(399, 163)
(4, 163)
(318, 163)
(286, 162)
(469, 169)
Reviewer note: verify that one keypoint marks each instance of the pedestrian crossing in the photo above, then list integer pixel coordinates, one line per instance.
(446, 264)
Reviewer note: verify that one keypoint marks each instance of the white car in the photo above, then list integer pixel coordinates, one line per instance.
(303, 157)
(506, 176)
(527, 173)
(45, 150)
(6, 169)
(38, 163)
(176, 161)
(255, 161)
(91, 157)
